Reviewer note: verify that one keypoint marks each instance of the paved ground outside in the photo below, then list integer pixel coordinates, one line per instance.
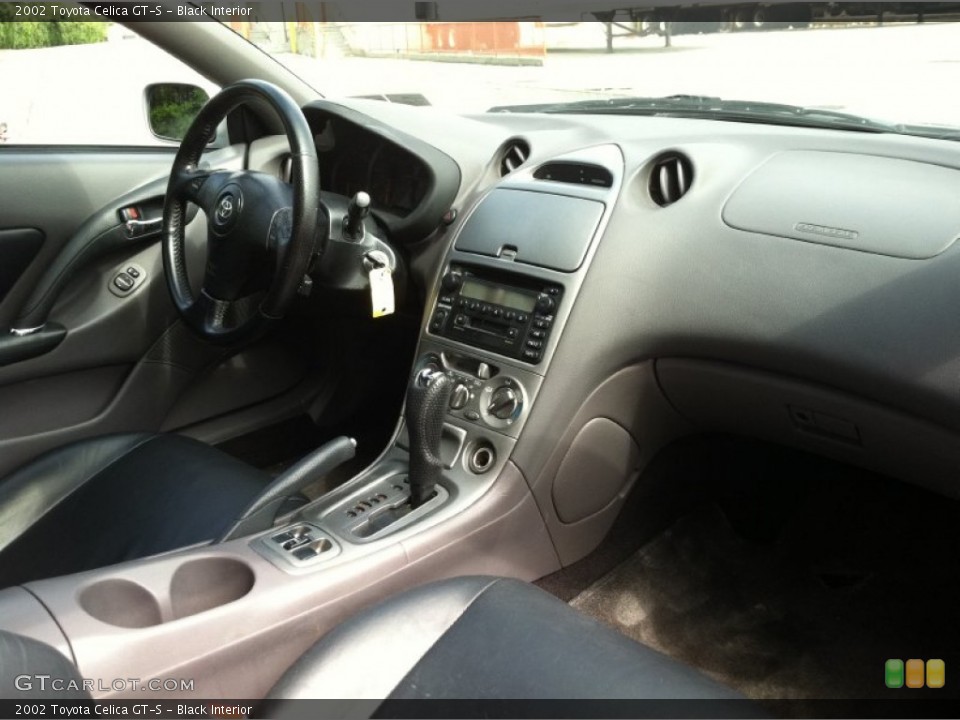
(906, 73)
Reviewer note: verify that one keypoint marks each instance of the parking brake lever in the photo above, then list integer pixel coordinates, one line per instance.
(260, 513)
(427, 400)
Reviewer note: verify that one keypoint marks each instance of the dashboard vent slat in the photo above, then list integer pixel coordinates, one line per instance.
(670, 179)
(515, 154)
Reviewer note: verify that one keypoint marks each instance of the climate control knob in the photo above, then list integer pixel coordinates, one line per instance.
(459, 397)
(504, 403)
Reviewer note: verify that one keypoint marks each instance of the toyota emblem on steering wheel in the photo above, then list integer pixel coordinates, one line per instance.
(225, 209)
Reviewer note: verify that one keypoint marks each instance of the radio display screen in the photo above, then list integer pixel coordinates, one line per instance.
(498, 295)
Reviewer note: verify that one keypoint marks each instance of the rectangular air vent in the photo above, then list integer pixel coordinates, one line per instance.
(575, 173)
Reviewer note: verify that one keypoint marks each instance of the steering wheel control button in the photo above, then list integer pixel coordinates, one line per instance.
(227, 209)
(124, 282)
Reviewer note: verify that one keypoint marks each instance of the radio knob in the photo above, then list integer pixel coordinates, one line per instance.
(452, 281)
(504, 403)
(459, 397)
(545, 303)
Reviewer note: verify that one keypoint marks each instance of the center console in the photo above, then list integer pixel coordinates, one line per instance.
(496, 313)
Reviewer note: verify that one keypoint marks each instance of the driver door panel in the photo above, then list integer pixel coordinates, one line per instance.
(51, 192)
(106, 375)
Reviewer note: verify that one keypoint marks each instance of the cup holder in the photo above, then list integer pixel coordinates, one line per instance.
(207, 583)
(197, 585)
(122, 603)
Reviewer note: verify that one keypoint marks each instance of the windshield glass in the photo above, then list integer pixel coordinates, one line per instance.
(836, 65)
(899, 69)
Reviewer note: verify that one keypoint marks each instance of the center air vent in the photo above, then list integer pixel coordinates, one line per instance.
(670, 179)
(576, 173)
(514, 155)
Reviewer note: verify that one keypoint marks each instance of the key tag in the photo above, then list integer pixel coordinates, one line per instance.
(381, 283)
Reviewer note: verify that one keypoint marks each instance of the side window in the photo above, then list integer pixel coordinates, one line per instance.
(79, 82)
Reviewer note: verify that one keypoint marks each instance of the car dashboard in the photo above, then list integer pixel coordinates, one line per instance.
(794, 284)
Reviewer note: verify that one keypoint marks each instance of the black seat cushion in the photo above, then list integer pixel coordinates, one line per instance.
(485, 638)
(102, 501)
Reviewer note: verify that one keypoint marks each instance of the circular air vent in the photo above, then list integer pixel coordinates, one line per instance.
(670, 179)
(514, 154)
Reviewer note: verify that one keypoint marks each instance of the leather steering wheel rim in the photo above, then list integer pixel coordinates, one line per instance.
(230, 319)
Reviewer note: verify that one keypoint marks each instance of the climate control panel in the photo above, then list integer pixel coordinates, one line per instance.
(483, 394)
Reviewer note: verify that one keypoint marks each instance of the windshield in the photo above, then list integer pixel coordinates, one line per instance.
(894, 69)
(835, 65)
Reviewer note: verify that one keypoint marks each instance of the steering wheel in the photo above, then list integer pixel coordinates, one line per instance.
(261, 231)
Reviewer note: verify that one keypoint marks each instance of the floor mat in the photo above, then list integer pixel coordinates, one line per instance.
(802, 597)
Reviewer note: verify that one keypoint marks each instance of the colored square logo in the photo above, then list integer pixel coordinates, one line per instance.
(915, 673)
(936, 673)
(893, 673)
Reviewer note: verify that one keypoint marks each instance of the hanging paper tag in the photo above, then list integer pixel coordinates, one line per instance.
(381, 291)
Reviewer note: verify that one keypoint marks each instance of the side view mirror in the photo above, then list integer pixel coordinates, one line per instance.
(171, 108)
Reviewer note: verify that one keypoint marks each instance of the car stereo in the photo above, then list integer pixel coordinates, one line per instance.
(509, 314)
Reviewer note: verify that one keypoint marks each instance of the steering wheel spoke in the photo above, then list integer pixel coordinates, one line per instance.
(250, 278)
(223, 319)
(200, 187)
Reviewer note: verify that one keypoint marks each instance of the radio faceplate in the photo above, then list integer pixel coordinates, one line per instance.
(509, 314)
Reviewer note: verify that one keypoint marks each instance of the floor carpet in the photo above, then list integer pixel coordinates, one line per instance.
(791, 577)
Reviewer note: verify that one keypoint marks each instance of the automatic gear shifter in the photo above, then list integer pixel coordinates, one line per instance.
(427, 400)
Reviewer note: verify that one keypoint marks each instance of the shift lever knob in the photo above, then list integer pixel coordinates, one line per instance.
(427, 400)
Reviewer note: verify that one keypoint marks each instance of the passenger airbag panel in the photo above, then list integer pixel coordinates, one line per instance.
(880, 205)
